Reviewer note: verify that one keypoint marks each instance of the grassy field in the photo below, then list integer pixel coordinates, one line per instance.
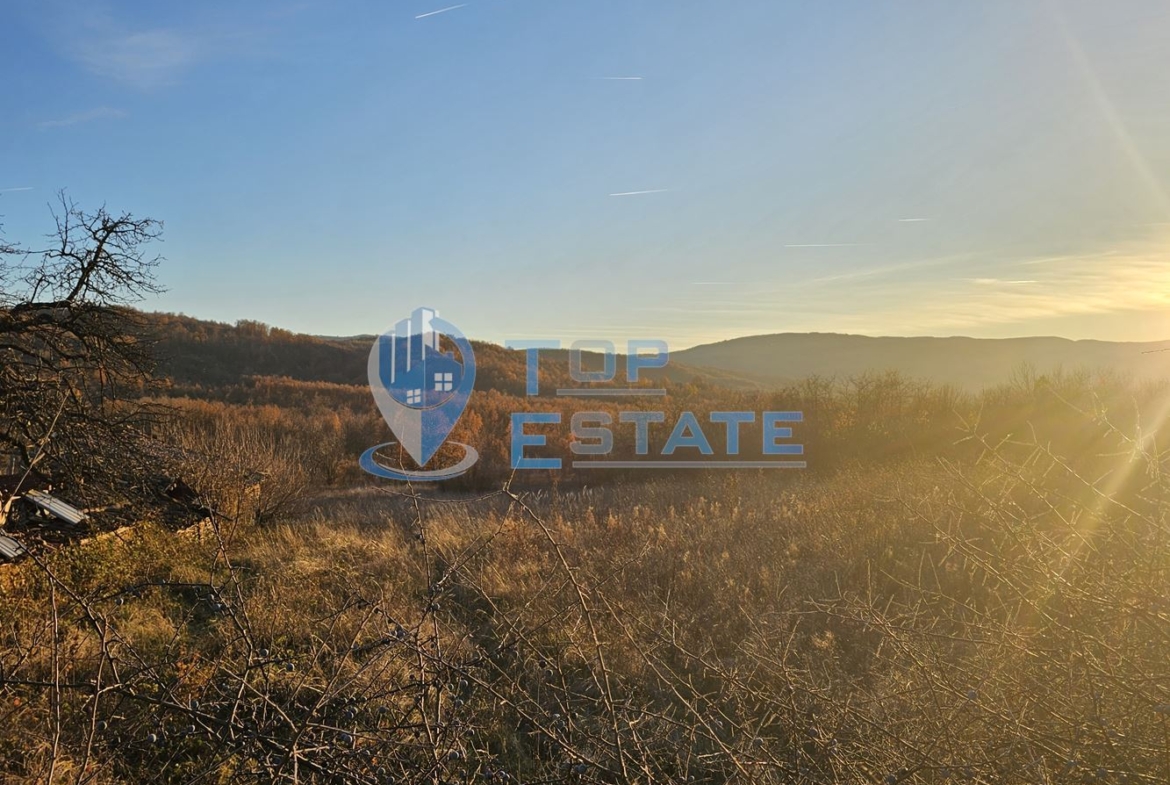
(999, 618)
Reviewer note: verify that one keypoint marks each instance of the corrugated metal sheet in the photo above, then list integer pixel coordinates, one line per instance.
(10, 549)
(56, 507)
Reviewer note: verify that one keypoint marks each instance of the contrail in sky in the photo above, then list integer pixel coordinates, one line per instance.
(912, 220)
(639, 193)
(621, 78)
(10, 190)
(441, 11)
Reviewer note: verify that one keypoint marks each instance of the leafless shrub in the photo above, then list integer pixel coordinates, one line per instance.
(69, 347)
(1000, 621)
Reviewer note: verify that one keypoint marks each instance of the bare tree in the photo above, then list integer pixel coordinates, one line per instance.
(69, 344)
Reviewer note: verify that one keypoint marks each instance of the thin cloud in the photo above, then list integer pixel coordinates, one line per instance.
(1131, 280)
(77, 118)
(14, 190)
(128, 50)
(930, 296)
(640, 193)
(879, 272)
(442, 10)
(145, 59)
(822, 245)
(1043, 260)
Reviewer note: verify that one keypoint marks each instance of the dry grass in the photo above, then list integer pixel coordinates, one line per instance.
(999, 621)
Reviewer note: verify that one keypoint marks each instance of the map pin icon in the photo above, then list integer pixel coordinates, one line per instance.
(421, 391)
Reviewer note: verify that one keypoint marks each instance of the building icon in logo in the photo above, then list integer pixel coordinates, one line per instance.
(421, 390)
(411, 365)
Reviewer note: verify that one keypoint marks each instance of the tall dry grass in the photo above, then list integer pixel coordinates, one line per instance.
(996, 614)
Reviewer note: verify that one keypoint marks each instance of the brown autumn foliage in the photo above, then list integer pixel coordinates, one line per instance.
(961, 588)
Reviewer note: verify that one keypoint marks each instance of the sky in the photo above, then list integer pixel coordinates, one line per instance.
(688, 170)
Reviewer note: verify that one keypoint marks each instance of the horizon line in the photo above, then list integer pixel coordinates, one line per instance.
(709, 342)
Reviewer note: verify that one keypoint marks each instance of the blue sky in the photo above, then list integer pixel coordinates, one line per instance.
(988, 168)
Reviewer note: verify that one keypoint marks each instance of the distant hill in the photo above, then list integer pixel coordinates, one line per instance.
(213, 354)
(969, 363)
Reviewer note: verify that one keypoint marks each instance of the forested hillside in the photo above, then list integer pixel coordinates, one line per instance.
(204, 354)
